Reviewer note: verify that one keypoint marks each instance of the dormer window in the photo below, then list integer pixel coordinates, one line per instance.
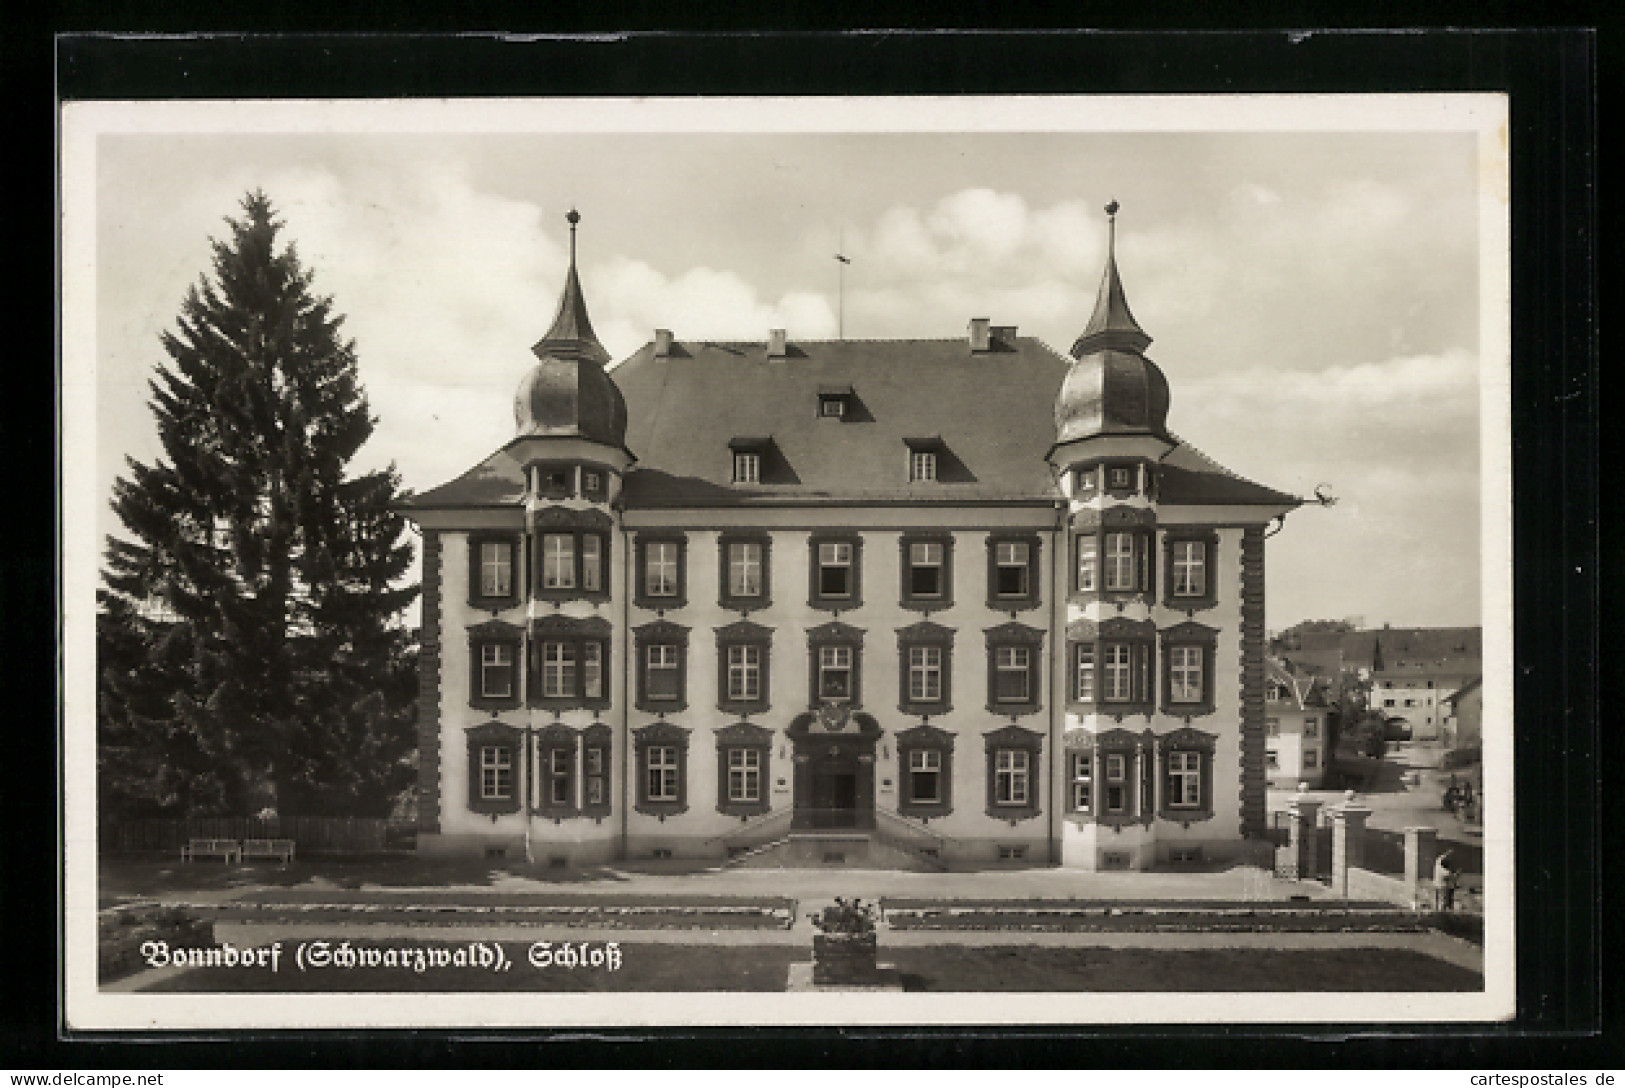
(834, 401)
(924, 459)
(754, 458)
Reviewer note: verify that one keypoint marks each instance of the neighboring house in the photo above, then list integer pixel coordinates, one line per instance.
(965, 597)
(1296, 727)
(1414, 669)
(1464, 715)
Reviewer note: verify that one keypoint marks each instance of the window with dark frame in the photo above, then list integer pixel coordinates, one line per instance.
(1117, 672)
(1185, 673)
(570, 556)
(558, 560)
(744, 673)
(925, 776)
(496, 568)
(1084, 683)
(1088, 563)
(660, 568)
(496, 670)
(1122, 564)
(560, 777)
(744, 774)
(1190, 568)
(835, 672)
(925, 568)
(925, 772)
(744, 568)
(592, 482)
(1010, 776)
(835, 569)
(1082, 778)
(1012, 569)
(1116, 783)
(1185, 779)
(924, 674)
(661, 678)
(558, 669)
(595, 775)
(592, 669)
(592, 562)
(496, 772)
(660, 772)
(1012, 670)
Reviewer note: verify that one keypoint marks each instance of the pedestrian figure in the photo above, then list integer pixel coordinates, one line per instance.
(1445, 879)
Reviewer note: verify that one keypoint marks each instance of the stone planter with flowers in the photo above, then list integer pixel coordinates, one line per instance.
(844, 946)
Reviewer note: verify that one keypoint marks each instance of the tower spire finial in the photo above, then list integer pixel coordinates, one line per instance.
(571, 335)
(1112, 326)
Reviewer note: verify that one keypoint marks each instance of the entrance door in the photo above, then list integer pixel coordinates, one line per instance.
(835, 785)
(834, 797)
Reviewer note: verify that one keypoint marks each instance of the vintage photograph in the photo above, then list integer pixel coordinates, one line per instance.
(1011, 560)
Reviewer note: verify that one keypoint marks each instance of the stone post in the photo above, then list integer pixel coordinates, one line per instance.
(1305, 812)
(1421, 848)
(1348, 843)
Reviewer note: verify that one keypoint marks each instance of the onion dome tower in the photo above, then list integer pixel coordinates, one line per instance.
(567, 393)
(1112, 388)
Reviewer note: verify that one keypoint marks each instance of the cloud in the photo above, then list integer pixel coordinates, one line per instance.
(698, 304)
(982, 237)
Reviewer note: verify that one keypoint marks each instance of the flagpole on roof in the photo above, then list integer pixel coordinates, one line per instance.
(840, 288)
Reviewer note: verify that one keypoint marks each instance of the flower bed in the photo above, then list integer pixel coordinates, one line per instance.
(1163, 919)
(121, 933)
(767, 914)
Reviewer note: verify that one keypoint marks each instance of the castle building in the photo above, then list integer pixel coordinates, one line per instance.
(913, 603)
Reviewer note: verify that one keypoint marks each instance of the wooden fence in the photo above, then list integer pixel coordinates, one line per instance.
(310, 834)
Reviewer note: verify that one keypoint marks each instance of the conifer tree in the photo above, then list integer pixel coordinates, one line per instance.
(251, 633)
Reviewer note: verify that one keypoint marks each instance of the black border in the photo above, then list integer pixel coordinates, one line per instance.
(1551, 76)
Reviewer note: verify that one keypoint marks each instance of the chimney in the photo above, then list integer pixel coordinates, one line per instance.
(662, 343)
(980, 333)
(775, 344)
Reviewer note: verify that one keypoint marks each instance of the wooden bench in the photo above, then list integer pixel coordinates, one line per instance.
(280, 849)
(224, 849)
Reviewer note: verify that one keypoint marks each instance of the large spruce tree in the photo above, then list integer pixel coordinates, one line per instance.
(250, 639)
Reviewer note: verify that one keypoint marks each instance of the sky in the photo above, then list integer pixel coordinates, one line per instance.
(1313, 294)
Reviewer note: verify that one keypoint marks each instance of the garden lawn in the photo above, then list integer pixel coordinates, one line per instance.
(1023, 968)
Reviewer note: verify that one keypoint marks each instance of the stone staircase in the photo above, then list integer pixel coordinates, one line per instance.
(835, 850)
